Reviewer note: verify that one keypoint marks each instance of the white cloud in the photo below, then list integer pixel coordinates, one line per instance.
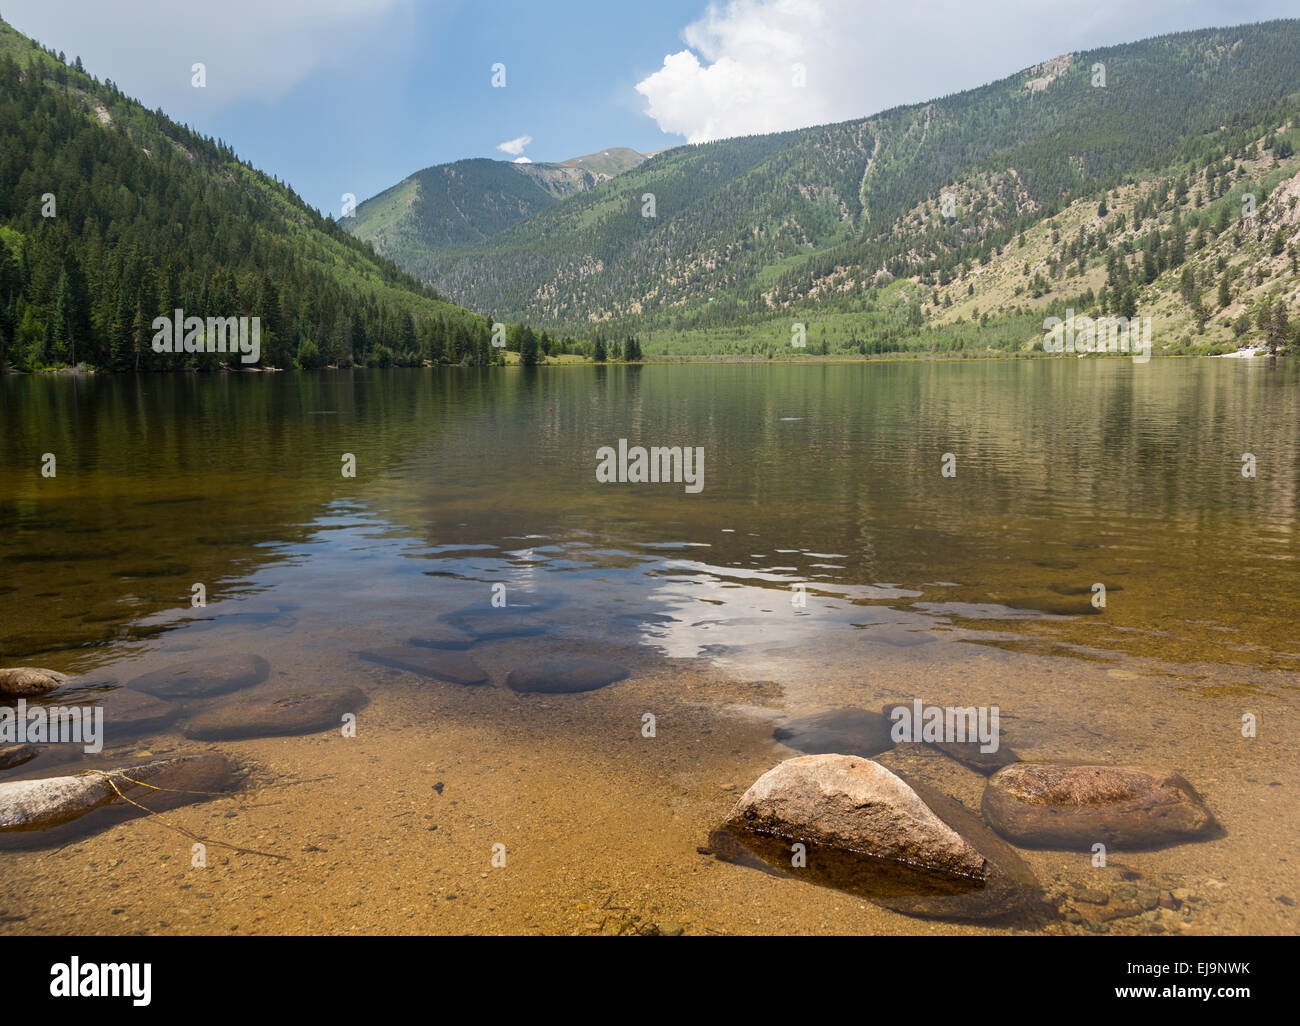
(515, 146)
(748, 80)
(252, 49)
(737, 75)
(522, 160)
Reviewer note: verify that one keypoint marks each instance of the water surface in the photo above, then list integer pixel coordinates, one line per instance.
(975, 588)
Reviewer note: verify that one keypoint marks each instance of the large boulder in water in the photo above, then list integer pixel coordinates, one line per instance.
(1074, 806)
(200, 678)
(869, 832)
(29, 681)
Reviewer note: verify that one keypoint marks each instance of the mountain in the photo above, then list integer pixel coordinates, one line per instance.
(470, 201)
(866, 225)
(112, 215)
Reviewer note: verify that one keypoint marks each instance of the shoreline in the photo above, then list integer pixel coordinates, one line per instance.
(702, 359)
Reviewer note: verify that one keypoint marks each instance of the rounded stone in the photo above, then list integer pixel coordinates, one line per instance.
(200, 678)
(127, 711)
(865, 830)
(13, 755)
(1074, 806)
(565, 676)
(29, 681)
(493, 624)
(275, 712)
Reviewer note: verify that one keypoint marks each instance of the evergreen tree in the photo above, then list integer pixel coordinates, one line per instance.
(71, 325)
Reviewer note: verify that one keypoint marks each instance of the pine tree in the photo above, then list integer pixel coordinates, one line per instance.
(71, 324)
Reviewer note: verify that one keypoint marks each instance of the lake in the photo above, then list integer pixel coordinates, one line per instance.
(861, 533)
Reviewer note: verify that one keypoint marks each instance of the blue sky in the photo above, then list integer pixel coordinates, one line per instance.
(339, 96)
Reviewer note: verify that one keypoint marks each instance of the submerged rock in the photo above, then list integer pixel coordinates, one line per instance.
(199, 678)
(127, 711)
(1053, 605)
(837, 732)
(16, 755)
(446, 636)
(869, 832)
(565, 676)
(1064, 805)
(968, 753)
(491, 624)
(275, 712)
(439, 664)
(29, 805)
(29, 681)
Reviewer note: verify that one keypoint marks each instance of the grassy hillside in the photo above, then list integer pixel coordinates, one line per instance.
(112, 215)
(470, 201)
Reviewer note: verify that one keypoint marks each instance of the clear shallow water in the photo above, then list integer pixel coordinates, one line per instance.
(973, 589)
(1068, 474)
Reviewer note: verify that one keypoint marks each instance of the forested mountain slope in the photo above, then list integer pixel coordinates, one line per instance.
(112, 215)
(746, 227)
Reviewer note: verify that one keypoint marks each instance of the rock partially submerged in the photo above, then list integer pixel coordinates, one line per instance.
(275, 712)
(201, 678)
(12, 756)
(867, 831)
(51, 802)
(837, 732)
(29, 681)
(440, 664)
(1073, 806)
(565, 676)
